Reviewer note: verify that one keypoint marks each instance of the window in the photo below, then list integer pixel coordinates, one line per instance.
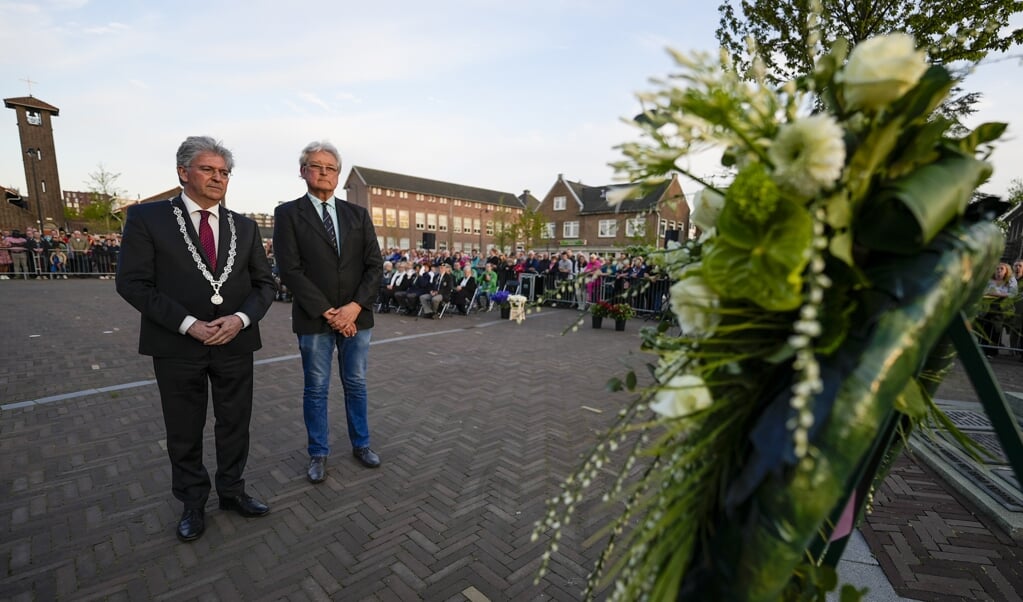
(635, 226)
(392, 218)
(431, 199)
(490, 227)
(420, 220)
(467, 226)
(475, 226)
(442, 223)
(662, 228)
(431, 221)
(390, 243)
(375, 190)
(402, 195)
(548, 230)
(443, 200)
(457, 202)
(570, 230)
(403, 243)
(477, 206)
(390, 192)
(457, 226)
(378, 217)
(420, 197)
(34, 118)
(560, 203)
(380, 241)
(607, 228)
(403, 219)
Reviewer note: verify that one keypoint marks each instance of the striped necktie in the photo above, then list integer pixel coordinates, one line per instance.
(328, 223)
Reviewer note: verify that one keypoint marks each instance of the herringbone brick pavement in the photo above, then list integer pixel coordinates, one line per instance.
(477, 421)
(934, 546)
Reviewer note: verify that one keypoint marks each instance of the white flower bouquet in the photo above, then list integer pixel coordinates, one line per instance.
(810, 312)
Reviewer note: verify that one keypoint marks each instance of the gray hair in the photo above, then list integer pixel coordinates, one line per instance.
(193, 146)
(316, 147)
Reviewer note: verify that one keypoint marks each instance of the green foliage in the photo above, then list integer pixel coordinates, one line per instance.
(968, 32)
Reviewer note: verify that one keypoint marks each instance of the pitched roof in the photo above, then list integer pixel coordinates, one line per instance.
(594, 198)
(31, 102)
(397, 181)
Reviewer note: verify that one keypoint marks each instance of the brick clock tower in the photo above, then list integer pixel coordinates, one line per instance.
(43, 193)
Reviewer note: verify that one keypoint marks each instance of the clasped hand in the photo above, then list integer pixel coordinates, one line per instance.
(342, 319)
(218, 332)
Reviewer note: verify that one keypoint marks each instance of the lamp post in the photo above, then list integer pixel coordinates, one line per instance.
(35, 154)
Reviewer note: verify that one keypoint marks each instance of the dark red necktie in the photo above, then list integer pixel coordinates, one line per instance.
(206, 239)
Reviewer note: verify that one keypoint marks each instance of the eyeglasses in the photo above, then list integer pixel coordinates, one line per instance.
(208, 171)
(328, 169)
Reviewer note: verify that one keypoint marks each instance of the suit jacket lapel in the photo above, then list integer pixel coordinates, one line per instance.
(344, 219)
(315, 221)
(189, 227)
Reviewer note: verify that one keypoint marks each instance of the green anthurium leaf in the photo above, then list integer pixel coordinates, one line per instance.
(761, 262)
(912, 401)
(868, 157)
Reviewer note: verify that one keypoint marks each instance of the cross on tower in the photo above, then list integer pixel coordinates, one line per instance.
(28, 80)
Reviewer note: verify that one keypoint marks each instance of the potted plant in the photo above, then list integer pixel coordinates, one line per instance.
(599, 311)
(500, 298)
(620, 312)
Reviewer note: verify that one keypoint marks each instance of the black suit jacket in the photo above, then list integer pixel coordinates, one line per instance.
(318, 276)
(157, 275)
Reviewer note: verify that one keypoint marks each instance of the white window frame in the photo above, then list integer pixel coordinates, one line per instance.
(607, 228)
(431, 222)
(420, 220)
(442, 223)
(570, 230)
(548, 231)
(635, 226)
(560, 203)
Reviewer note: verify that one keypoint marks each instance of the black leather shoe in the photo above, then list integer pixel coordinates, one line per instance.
(365, 455)
(245, 505)
(192, 524)
(317, 469)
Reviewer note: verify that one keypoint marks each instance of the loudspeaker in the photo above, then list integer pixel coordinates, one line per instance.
(429, 240)
(670, 235)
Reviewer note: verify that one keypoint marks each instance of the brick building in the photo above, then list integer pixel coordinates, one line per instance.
(580, 218)
(410, 212)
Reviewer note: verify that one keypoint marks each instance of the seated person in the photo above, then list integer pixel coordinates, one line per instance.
(487, 281)
(399, 282)
(439, 293)
(465, 288)
(423, 282)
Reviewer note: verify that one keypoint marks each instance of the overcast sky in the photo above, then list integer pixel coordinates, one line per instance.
(496, 94)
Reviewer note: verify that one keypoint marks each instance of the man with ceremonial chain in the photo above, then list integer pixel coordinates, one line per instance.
(198, 275)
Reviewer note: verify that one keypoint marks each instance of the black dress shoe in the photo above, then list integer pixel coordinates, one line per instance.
(365, 455)
(317, 469)
(192, 524)
(245, 505)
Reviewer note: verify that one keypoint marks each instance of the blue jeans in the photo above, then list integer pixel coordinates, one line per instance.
(352, 353)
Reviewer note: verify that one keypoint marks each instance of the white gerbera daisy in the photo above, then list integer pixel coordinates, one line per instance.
(808, 155)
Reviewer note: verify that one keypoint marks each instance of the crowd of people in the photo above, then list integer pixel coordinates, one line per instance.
(419, 278)
(57, 254)
(1002, 311)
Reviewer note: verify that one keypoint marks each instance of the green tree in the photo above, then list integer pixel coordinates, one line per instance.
(530, 227)
(1015, 193)
(103, 202)
(962, 32)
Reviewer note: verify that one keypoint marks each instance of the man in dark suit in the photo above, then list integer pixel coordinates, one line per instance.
(465, 288)
(198, 275)
(329, 258)
(439, 293)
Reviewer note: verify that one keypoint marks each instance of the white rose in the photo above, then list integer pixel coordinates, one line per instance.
(681, 396)
(881, 70)
(694, 304)
(707, 205)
